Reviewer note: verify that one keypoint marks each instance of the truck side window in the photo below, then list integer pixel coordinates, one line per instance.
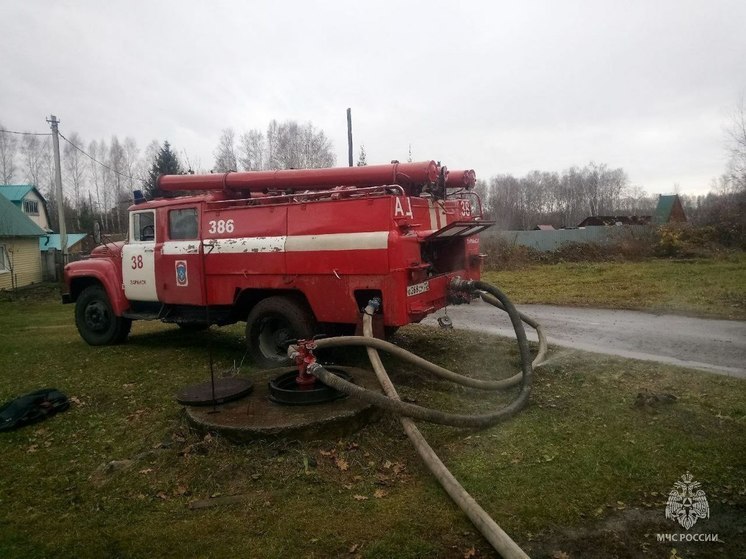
(182, 224)
(143, 226)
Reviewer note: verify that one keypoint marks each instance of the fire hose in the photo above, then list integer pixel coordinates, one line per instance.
(497, 537)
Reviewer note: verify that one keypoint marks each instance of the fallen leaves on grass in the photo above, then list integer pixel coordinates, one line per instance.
(339, 461)
(396, 467)
(360, 497)
(380, 493)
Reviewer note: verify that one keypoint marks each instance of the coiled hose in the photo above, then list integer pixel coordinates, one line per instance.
(497, 537)
(431, 415)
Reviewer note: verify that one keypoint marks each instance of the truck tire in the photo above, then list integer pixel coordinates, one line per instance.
(271, 323)
(96, 321)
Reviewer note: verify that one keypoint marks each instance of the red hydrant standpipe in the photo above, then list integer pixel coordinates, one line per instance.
(304, 358)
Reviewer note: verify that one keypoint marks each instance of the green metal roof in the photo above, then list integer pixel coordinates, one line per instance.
(14, 223)
(52, 241)
(664, 208)
(16, 192)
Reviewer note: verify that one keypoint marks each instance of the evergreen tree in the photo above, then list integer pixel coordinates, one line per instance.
(362, 160)
(86, 216)
(165, 163)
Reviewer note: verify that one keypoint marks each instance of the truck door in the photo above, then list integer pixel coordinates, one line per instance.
(138, 258)
(178, 258)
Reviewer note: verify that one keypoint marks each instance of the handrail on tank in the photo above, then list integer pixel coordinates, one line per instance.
(311, 195)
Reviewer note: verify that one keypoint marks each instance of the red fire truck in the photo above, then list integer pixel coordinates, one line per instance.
(292, 253)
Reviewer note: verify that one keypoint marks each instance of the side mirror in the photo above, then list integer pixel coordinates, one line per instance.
(97, 232)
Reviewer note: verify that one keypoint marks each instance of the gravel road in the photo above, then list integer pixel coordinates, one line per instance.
(718, 346)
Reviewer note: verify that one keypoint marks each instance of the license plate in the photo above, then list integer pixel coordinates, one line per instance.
(418, 288)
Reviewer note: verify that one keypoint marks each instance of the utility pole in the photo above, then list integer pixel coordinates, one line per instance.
(349, 136)
(53, 122)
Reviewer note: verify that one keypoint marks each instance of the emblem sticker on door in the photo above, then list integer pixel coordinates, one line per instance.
(182, 279)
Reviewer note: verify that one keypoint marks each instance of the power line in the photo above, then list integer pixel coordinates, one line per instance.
(26, 133)
(97, 161)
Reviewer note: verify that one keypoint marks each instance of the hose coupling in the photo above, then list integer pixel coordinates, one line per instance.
(375, 303)
(459, 284)
(313, 368)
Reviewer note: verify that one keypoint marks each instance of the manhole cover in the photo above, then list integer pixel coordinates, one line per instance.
(226, 390)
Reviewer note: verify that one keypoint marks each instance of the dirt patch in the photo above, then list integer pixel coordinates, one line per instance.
(38, 292)
(634, 532)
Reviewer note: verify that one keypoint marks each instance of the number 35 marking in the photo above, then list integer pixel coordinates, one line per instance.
(221, 226)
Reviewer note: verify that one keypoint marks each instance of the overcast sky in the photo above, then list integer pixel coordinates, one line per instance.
(500, 87)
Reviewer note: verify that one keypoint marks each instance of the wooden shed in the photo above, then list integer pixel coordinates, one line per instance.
(669, 210)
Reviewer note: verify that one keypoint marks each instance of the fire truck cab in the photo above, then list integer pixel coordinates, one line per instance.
(291, 253)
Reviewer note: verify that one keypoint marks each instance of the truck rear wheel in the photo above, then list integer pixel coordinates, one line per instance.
(271, 324)
(96, 321)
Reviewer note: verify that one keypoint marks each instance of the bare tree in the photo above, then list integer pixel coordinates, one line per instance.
(8, 151)
(36, 158)
(287, 145)
(118, 179)
(481, 189)
(558, 199)
(131, 152)
(736, 172)
(97, 151)
(107, 185)
(317, 148)
(225, 154)
(252, 152)
(74, 169)
(289, 149)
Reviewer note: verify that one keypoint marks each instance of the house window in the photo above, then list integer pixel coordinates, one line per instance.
(4, 260)
(182, 224)
(31, 207)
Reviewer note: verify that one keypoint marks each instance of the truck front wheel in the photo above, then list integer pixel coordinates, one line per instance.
(271, 324)
(96, 321)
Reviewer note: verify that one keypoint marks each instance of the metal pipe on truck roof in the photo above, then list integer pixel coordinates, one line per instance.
(461, 179)
(403, 174)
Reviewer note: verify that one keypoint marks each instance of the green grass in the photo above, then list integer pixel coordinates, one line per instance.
(579, 450)
(710, 288)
